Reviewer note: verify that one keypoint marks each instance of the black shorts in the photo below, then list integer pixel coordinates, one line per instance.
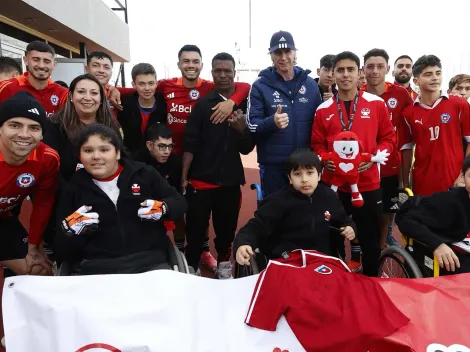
(389, 186)
(13, 239)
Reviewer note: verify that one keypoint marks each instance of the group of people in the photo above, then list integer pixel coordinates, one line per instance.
(111, 170)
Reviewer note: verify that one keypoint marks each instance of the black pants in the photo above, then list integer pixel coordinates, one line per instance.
(367, 220)
(224, 204)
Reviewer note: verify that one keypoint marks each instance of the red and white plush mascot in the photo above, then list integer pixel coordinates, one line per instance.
(346, 157)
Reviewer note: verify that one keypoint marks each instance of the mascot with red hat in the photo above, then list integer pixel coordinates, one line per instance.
(347, 156)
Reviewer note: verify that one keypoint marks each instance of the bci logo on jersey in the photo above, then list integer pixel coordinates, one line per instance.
(7, 200)
(324, 270)
(445, 118)
(194, 94)
(98, 347)
(25, 180)
(180, 108)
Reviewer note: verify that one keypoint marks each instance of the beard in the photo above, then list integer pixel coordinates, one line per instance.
(402, 80)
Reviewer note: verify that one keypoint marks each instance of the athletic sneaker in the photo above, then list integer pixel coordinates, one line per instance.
(208, 260)
(356, 267)
(224, 271)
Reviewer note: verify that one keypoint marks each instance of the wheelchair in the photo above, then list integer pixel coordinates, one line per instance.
(177, 261)
(259, 262)
(415, 260)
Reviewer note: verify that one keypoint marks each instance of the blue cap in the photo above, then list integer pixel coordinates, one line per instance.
(281, 40)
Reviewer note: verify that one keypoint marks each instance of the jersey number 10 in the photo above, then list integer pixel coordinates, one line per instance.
(434, 132)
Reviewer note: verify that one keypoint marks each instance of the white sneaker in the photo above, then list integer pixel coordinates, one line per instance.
(3, 341)
(224, 271)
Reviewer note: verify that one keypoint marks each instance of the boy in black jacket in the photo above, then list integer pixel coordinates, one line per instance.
(299, 216)
(142, 109)
(213, 168)
(442, 222)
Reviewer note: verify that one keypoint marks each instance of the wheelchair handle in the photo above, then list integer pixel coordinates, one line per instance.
(259, 192)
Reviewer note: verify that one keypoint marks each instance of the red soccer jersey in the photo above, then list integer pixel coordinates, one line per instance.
(372, 126)
(437, 133)
(180, 101)
(413, 95)
(397, 100)
(51, 97)
(328, 308)
(37, 177)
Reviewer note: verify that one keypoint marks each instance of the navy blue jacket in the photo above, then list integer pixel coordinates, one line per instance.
(274, 145)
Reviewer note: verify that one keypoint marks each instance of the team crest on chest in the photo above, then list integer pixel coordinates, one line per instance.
(365, 113)
(392, 103)
(324, 270)
(135, 189)
(25, 180)
(194, 94)
(303, 90)
(54, 100)
(445, 118)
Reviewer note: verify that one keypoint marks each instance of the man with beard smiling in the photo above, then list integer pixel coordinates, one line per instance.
(402, 73)
(28, 168)
(40, 62)
(212, 164)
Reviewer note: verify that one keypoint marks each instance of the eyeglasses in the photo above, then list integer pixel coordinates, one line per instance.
(162, 147)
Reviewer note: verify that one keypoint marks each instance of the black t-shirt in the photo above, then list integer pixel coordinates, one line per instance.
(347, 105)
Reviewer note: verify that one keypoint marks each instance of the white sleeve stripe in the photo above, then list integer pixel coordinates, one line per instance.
(252, 127)
(467, 139)
(253, 302)
(407, 146)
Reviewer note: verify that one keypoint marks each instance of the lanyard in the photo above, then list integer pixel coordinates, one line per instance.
(340, 112)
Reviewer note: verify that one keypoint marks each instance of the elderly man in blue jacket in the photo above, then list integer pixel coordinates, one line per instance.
(281, 107)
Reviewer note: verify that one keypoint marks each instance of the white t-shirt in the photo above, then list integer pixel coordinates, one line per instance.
(109, 187)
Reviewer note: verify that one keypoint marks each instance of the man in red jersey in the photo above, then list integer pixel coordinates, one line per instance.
(435, 124)
(397, 99)
(181, 94)
(28, 168)
(459, 85)
(367, 116)
(335, 310)
(40, 62)
(402, 73)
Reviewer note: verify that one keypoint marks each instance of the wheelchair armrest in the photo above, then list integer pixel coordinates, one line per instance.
(259, 192)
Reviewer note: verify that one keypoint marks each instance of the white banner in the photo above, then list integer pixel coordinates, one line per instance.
(159, 311)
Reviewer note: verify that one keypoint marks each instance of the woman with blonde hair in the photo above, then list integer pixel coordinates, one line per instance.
(86, 105)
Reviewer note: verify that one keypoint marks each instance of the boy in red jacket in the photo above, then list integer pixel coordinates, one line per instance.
(367, 116)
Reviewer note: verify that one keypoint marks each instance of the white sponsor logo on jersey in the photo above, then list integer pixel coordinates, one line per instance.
(437, 347)
(180, 108)
(171, 119)
(8, 200)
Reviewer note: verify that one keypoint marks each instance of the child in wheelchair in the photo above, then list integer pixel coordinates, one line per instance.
(442, 222)
(299, 216)
(110, 215)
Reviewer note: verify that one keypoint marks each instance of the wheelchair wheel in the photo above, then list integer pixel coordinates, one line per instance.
(178, 260)
(64, 269)
(248, 270)
(396, 262)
